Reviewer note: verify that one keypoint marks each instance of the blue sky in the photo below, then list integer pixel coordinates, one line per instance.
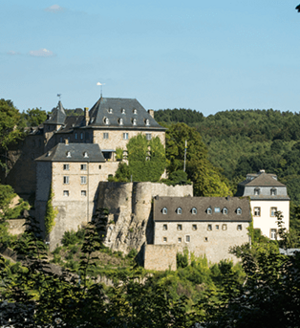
(205, 55)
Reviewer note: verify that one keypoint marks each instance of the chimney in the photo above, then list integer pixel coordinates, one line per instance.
(151, 112)
(66, 142)
(86, 115)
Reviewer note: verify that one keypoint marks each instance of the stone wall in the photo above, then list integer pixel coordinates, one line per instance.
(160, 257)
(130, 205)
(16, 226)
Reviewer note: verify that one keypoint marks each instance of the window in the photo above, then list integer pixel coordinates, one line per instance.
(68, 154)
(81, 135)
(110, 110)
(148, 136)
(209, 210)
(66, 167)
(256, 191)
(179, 240)
(125, 136)
(100, 167)
(165, 227)
(164, 210)
(83, 180)
(256, 211)
(194, 227)
(273, 211)
(105, 135)
(217, 210)
(121, 121)
(66, 193)
(224, 227)
(194, 210)
(187, 238)
(134, 121)
(209, 227)
(83, 193)
(217, 227)
(106, 120)
(83, 167)
(179, 210)
(225, 211)
(179, 227)
(165, 239)
(239, 211)
(147, 122)
(135, 111)
(66, 180)
(205, 239)
(273, 233)
(75, 136)
(123, 111)
(85, 154)
(273, 192)
(239, 227)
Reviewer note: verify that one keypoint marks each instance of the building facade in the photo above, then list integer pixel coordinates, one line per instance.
(267, 196)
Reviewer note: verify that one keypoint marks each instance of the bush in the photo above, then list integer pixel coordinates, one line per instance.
(72, 237)
(132, 254)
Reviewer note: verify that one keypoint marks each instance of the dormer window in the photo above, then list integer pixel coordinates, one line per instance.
(273, 192)
(106, 120)
(164, 210)
(49, 153)
(134, 111)
(110, 110)
(147, 122)
(134, 121)
(123, 111)
(225, 211)
(179, 210)
(85, 154)
(194, 210)
(121, 121)
(256, 191)
(217, 210)
(238, 211)
(209, 210)
(68, 154)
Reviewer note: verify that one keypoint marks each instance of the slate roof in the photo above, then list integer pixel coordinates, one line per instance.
(70, 123)
(57, 115)
(201, 204)
(59, 153)
(263, 180)
(101, 110)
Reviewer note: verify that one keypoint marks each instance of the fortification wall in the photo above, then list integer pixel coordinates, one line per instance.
(160, 257)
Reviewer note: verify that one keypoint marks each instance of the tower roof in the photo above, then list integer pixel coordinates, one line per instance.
(57, 115)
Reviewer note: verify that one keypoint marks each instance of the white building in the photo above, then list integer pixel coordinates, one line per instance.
(267, 196)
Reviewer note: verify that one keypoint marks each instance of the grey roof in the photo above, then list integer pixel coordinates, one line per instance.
(77, 150)
(111, 109)
(57, 115)
(70, 123)
(269, 197)
(202, 204)
(262, 180)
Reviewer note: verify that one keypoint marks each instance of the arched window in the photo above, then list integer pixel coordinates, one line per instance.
(273, 192)
(135, 111)
(134, 121)
(110, 111)
(194, 210)
(106, 120)
(123, 111)
(209, 210)
(239, 211)
(147, 122)
(121, 121)
(225, 211)
(85, 154)
(256, 191)
(179, 210)
(164, 210)
(68, 154)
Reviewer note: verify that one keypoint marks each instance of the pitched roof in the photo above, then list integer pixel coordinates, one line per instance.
(263, 180)
(125, 109)
(59, 153)
(57, 115)
(202, 204)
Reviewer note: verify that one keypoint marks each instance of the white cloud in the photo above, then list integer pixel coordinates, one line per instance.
(41, 53)
(55, 9)
(13, 53)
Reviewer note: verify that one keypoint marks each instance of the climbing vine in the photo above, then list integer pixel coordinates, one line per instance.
(50, 214)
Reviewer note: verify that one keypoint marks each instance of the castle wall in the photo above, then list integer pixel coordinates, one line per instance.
(160, 257)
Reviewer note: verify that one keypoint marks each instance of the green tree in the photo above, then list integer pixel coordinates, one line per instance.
(34, 116)
(50, 214)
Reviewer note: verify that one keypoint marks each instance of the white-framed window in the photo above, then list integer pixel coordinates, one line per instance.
(224, 227)
(273, 233)
(256, 191)
(256, 211)
(125, 136)
(106, 120)
(217, 227)
(194, 210)
(134, 121)
(273, 211)
(66, 179)
(66, 193)
(66, 167)
(165, 227)
(179, 227)
(83, 193)
(225, 211)
(148, 136)
(121, 121)
(83, 167)
(209, 227)
(134, 111)
(179, 239)
(110, 110)
(217, 210)
(164, 210)
(179, 210)
(239, 227)
(68, 154)
(165, 239)
(273, 192)
(85, 154)
(187, 238)
(209, 210)
(194, 227)
(239, 211)
(123, 111)
(105, 135)
(147, 122)
(83, 179)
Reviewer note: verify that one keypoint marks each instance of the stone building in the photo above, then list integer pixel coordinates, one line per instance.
(204, 225)
(267, 196)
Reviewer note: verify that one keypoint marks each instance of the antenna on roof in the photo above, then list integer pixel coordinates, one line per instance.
(98, 83)
(59, 95)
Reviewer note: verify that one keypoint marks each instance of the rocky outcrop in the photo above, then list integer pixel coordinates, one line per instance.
(130, 222)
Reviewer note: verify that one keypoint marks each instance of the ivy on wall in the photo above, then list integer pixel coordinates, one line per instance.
(50, 214)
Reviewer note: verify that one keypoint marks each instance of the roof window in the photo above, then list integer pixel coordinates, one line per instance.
(194, 210)
(239, 211)
(49, 153)
(110, 110)
(85, 154)
(179, 210)
(273, 192)
(147, 122)
(134, 111)
(164, 210)
(134, 121)
(68, 154)
(121, 121)
(106, 120)
(209, 210)
(217, 210)
(225, 211)
(256, 191)
(123, 111)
